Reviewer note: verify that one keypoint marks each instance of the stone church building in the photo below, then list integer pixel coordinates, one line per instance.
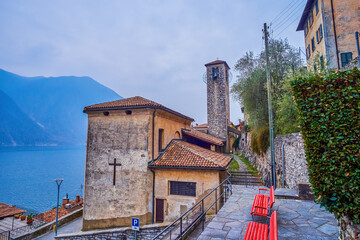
(145, 160)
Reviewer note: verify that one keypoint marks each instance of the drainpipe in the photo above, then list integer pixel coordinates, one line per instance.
(152, 153)
(283, 163)
(335, 35)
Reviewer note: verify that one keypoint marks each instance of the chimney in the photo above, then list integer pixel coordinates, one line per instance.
(65, 200)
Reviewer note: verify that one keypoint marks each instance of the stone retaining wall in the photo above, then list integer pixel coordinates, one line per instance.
(348, 230)
(147, 233)
(50, 226)
(295, 162)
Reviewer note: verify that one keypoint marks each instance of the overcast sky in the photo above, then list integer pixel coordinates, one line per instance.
(150, 48)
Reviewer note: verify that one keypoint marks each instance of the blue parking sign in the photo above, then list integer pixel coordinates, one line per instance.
(135, 224)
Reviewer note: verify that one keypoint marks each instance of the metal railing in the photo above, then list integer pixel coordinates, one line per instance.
(5, 235)
(192, 217)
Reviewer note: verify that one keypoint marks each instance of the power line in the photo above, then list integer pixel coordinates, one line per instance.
(289, 16)
(279, 15)
(297, 17)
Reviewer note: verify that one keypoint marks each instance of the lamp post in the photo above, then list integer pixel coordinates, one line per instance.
(58, 183)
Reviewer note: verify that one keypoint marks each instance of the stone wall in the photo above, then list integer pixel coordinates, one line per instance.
(145, 233)
(348, 230)
(218, 101)
(295, 162)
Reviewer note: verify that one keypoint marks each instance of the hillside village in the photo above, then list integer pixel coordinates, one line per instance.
(151, 172)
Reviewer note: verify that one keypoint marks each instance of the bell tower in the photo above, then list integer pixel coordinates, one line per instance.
(218, 106)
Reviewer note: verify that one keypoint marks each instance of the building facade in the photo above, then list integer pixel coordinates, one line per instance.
(329, 28)
(123, 136)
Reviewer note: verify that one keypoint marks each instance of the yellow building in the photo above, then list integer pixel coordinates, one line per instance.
(329, 27)
(184, 174)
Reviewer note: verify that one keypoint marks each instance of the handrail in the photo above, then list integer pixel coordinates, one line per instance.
(179, 221)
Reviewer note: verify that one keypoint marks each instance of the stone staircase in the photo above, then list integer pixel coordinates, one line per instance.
(248, 178)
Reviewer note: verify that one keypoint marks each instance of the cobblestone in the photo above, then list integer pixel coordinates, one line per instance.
(297, 219)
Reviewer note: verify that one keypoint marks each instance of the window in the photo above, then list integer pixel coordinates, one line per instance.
(346, 58)
(317, 36)
(183, 188)
(313, 44)
(177, 135)
(306, 28)
(311, 18)
(315, 68)
(308, 52)
(321, 32)
(317, 6)
(322, 63)
(161, 139)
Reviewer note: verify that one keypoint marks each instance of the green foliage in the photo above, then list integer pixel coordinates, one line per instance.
(234, 165)
(260, 140)
(236, 143)
(329, 115)
(250, 167)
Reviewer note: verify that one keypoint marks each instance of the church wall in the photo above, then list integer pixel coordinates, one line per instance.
(128, 139)
(171, 124)
(175, 205)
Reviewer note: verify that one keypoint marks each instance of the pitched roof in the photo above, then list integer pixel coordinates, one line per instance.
(203, 137)
(7, 211)
(217, 62)
(307, 10)
(131, 103)
(204, 125)
(180, 154)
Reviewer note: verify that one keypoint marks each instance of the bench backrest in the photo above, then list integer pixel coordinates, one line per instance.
(273, 227)
(272, 197)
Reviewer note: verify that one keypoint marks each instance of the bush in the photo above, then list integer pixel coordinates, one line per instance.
(260, 140)
(329, 115)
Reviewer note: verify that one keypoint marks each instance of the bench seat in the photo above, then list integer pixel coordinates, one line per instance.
(260, 205)
(256, 231)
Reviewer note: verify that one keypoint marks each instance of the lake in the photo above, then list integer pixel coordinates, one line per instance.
(27, 175)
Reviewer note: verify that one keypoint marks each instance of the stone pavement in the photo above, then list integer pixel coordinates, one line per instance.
(71, 227)
(297, 219)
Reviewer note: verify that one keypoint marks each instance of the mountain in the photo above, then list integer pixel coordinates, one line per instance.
(16, 128)
(55, 104)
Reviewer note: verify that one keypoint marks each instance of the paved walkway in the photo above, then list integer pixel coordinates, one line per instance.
(242, 165)
(71, 227)
(297, 219)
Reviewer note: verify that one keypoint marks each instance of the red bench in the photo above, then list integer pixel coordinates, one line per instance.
(263, 203)
(260, 231)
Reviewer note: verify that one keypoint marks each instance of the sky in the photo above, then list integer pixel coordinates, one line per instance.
(151, 48)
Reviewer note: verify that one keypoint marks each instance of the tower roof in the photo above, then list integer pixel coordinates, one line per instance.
(217, 62)
(180, 154)
(132, 103)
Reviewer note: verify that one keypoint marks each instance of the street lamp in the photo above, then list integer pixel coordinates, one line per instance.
(58, 183)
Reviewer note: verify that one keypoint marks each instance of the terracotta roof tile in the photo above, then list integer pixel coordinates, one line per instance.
(204, 125)
(133, 102)
(7, 211)
(217, 62)
(203, 136)
(180, 154)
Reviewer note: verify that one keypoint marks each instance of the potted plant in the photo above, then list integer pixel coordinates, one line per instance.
(30, 218)
(17, 216)
(23, 217)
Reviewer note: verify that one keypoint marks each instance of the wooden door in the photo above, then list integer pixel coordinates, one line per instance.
(159, 210)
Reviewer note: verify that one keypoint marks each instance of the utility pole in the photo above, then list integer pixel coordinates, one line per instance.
(358, 48)
(271, 122)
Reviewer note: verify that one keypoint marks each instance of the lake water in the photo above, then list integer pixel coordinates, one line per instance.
(27, 175)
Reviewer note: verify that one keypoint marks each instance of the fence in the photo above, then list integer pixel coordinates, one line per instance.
(196, 215)
(5, 235)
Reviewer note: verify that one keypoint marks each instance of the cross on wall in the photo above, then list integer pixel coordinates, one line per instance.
(115, 165)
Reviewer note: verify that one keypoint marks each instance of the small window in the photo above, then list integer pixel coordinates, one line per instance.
(346, 58)
(322, 63)
(308, 52)
(317, 6)
(215, 73)
(161, 139)
(306, 28)
(317, 36)
(311, 18)
(177, 135)
(183, 188)
(313, 44)
(315, 67)
(321, 32)
(128, 112)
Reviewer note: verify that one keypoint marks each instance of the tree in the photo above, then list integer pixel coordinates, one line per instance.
(250, 88)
